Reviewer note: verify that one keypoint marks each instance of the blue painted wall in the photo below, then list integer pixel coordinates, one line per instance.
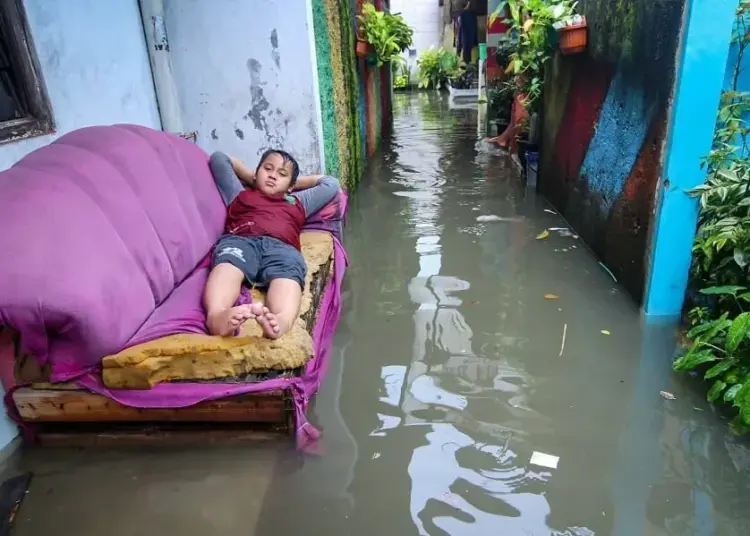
(94, 64)
(699, 84)
(93, 59)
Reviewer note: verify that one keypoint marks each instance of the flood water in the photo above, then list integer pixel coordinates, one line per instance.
(452, 377)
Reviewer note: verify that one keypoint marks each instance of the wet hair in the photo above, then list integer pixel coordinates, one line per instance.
(287, 159)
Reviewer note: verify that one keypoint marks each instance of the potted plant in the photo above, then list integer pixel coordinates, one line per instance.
(401, 74)
(500, 102)
(436, 67)
(386, 35)
(363, 47)
(464, 82)
(532, 24)
(573, 35)
(504, 52)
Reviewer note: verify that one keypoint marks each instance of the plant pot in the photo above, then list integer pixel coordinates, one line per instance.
(573, 39)
(363, 48)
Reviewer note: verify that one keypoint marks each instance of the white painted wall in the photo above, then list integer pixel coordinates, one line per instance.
(93, 60)
(425, 17)
(244, 76)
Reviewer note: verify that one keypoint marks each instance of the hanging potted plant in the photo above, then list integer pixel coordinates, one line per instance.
(382, 35)
(573, 35)
(363, 47)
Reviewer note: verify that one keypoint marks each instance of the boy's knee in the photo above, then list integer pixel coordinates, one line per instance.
(219, 160)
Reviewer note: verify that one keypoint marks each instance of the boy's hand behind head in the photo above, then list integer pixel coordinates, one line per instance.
(277, 172)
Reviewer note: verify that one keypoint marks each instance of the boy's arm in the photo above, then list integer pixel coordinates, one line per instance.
(244, 173)
(307, 182)
(322, 191)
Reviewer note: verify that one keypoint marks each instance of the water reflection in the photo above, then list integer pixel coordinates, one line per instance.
(452, 370)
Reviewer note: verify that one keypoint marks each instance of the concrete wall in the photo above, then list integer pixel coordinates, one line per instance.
(604, 127)
(93, 60)
(244, 76)
(425, 17)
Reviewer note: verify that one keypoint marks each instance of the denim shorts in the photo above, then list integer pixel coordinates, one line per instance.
(261, 258)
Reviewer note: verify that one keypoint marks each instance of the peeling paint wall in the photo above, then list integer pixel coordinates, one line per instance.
(94, 64)
(244, 77)
(605, 114)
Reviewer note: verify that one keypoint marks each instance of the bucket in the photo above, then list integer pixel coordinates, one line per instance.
(532, 168)
(482, 51)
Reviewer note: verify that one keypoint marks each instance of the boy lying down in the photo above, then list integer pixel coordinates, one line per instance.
(266, 210)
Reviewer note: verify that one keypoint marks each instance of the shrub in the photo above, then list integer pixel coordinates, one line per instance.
(436, 66)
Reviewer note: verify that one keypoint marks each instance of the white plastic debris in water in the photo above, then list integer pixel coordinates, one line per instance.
(544, 460)
(492, 217)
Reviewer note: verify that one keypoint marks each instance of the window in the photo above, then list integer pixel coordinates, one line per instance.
(24, 106)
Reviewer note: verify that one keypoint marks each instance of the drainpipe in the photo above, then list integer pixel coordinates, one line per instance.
(152, 16)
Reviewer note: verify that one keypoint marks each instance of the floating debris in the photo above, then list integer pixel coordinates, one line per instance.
(667, 395)
(608, 271)
(551, 296)
(544, 234)
(492, 217)
(565, 335)
(550, 211)
(544, 460)
(606, 332)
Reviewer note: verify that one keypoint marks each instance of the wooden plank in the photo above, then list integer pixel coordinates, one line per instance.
(168, 435)
(38, 406)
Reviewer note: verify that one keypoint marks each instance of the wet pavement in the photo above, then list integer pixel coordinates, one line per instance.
(452, 377)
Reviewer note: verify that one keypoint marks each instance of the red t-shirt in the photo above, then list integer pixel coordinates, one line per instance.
(254, 213)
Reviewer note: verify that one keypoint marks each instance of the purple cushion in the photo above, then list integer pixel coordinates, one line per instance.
(98, 229)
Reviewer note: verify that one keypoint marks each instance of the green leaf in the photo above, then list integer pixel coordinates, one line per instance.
(718, 325)
(719, 368)
(742, 394)
(730, 393)
(738, 331)
(700, 328)
(694, 358)
(731, 290)
(716, 389)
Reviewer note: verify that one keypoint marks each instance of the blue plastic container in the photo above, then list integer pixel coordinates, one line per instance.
(532, 168)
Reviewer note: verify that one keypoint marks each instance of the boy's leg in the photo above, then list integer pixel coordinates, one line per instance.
(282, 307)
(284, 268)
(226, 179)
(234, 260)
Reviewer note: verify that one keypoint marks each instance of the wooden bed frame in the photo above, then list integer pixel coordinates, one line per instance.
(70, 416)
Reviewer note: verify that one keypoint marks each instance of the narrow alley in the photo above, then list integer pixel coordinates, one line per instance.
(485, 380)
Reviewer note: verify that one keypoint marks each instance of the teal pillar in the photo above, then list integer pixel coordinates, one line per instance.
(698, 83)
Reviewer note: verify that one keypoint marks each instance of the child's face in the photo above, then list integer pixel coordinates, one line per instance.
(274, 175)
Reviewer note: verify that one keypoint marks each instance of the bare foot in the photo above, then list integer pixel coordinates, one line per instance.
(226, 323)
(267, 321)
(499, 141)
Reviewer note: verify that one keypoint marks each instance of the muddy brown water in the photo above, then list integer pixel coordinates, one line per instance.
(451, 377)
